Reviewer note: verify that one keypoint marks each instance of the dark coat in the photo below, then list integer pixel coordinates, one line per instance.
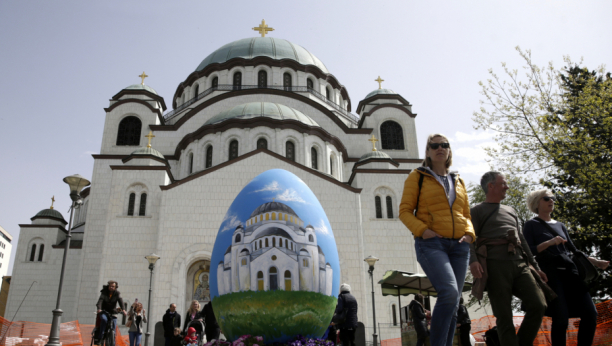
(419, 319)
(463, 317)
(107, 302)
(348, 302)
(188, 319)
(209, 317)
(176, 340)
(170, 322)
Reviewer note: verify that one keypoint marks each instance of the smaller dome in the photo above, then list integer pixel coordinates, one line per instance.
(147, 151)
(374, 155)
(52, 213)
(141, 87)
(381, 92)
(273, 206)
(262, 109)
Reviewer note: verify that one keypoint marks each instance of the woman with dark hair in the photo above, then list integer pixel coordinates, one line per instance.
(436, 209)
(550, 240)
(418, 314)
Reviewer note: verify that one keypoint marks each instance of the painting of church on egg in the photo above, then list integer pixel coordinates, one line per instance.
(274, 252)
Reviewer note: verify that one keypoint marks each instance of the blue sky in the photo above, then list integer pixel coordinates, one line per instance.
(61, 61)
(284, 187)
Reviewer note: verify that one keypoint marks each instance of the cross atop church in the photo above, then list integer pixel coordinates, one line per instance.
(52, 201)
(373, 140)
(149, 136)
(379, 80)
(143, 76)
(263, 28)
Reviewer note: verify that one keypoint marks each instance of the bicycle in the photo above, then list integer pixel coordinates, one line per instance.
(108, 338)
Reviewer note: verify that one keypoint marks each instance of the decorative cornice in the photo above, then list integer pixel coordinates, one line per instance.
(145, 92)
(152, 157)
(107, 156)
(288, 94)
(377, 171)
(260, 121)
(262, 60)
(398, 97)
(61, 228)
(384, 105)
(255, 152)
(143, 102)
(143, 168)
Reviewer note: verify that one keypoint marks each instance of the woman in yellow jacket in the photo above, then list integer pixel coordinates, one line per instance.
(442, 230)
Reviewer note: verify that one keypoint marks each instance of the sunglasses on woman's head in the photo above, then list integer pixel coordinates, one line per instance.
(548, 198)
(435, 146)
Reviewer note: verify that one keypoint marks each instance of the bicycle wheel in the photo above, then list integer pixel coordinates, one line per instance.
(109, 338)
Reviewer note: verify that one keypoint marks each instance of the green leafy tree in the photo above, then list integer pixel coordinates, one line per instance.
(555, 127)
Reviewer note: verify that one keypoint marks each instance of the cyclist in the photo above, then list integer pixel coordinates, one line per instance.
(109, 297)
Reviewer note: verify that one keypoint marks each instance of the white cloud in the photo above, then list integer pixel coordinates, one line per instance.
(273, 186)
(232, 222)
(321, 228)
(461, 137)
(290, 195)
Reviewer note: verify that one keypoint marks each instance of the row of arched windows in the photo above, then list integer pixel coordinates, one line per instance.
(378, 203)
(142, 209)
(264, 243)
(272, 216)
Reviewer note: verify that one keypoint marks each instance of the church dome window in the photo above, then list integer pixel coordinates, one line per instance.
(267, 242)
(314, 163)
(328, 94)
(262, 79)
(215, 83)
(196, 90)
(290, 150)
(392, 136)
(233, 150)
(209, 156)
(287, 82)
(129, 131)
(238, 238)
(190, 163)
(309, 84)
(262, 143)
(273, 242)
(237, 81)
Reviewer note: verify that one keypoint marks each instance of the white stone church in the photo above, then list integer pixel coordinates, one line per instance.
(252, 105)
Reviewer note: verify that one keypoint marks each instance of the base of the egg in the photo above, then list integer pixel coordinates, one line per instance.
(278, 316)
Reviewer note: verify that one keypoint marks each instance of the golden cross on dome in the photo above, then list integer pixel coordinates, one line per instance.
(143, 76)
(149, 136)
(263, 28)
(373, 140)
(379, 80)
(52, 201)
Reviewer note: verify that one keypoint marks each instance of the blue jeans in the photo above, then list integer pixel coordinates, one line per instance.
(135, 338)
(103, 322)
(445, 262)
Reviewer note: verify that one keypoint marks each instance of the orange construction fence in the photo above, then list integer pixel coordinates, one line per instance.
(25, 333)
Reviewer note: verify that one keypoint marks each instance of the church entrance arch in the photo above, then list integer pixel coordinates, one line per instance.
(197, 286)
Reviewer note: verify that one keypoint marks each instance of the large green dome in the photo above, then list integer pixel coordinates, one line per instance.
(262, 109)
(275, 48)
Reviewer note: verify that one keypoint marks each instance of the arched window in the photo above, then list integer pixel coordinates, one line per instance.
(273, 242)
(309, 84)
(327, 94)
(209, 156)
(392, 136)
(331, 166)
(267, 242)
(378, 207)
(262, 143)
(313, 158)
(215, 83)
(290, 150)
(33, 253)
(129, 131)
(393, 311)
(310, 238)
(287, 280)
(196, 91)
(233, 149)
(237, 238)
(262, 79)
(260, 281)
(260, 244)
(389, 207)
(237, 80)
(287, 81)
(41, 252)
(190, 163)
(143, 205)
(273, 279)
(131, 203)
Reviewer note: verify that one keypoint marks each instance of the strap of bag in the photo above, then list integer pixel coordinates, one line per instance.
(422, 176)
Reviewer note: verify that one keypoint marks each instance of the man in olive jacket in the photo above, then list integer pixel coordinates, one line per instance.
(171, 320)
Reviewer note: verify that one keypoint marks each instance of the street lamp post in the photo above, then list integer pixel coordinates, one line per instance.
(371, 261)
(152, 258)
(76, 183)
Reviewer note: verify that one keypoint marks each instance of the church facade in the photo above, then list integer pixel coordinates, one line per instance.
(164, 178)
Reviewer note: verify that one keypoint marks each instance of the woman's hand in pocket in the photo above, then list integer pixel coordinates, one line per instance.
(428, 234)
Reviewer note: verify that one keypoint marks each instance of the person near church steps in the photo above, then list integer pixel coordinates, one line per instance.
(109, 297)
(436, 209)
(346, 301)
(171, 321)
(501, 261)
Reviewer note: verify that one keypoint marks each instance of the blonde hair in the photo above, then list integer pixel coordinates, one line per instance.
(427, 161)
(534, 197)
(191, 307)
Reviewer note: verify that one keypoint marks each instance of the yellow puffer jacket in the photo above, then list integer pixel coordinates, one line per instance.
(434, 212)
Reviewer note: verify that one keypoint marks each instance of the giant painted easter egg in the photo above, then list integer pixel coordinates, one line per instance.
(274, 270)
